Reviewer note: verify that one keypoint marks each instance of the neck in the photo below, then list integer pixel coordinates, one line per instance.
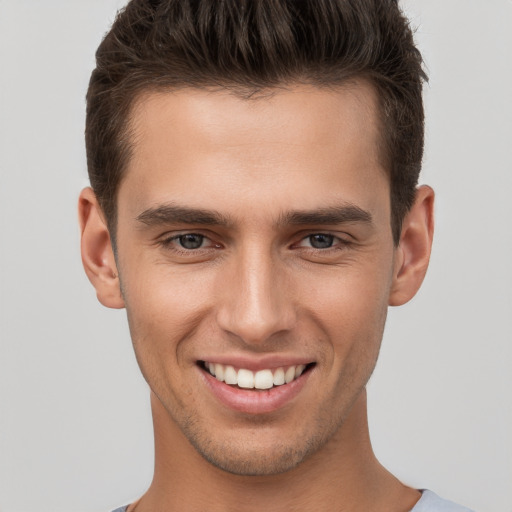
(343, 475)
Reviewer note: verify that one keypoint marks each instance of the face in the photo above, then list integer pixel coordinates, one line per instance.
(256, 260)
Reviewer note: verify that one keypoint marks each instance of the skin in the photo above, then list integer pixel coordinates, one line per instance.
(259, 288)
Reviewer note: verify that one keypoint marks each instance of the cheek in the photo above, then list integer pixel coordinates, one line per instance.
(350, 308)
(348, 295)
(163, 309)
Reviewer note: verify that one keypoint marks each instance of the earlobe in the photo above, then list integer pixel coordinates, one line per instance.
(413, 253)
(96, 249)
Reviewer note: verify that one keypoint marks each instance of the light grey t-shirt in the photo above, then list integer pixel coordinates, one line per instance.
(429, 502)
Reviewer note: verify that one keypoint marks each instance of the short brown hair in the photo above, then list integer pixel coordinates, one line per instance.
(249, 45)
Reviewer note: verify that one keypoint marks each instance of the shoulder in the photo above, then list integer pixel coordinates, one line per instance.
(431, 502)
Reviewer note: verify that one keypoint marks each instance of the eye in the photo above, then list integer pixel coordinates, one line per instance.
(190, 241)
(189, 247)
(319, 241)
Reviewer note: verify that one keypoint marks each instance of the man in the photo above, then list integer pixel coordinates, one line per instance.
(254, 207)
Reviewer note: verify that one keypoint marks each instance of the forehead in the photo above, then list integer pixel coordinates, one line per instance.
(296, 143)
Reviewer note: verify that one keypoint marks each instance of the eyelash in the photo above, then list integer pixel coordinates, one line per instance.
(168, 243)
(338, 243)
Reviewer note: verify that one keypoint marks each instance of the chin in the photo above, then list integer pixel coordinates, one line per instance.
(263, 462)
(257, 452)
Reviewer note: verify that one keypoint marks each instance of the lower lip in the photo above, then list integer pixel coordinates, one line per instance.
(255, 401)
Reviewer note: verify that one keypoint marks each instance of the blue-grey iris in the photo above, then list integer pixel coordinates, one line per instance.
(191, 241)
(321, 241)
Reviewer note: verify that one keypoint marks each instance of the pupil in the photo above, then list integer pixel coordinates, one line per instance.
(321, 241)
(191, 241)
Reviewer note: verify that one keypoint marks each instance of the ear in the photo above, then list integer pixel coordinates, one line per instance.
(97, 254)
(413, 252)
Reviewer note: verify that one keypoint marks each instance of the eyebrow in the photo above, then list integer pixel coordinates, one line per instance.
(330, 215)
(174, 214)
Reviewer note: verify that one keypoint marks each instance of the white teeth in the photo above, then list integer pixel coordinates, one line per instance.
(298, 370)
(219, 372)
(262, 379)
(279, 377)
(289, 375)
(245, 379)
(230, 375)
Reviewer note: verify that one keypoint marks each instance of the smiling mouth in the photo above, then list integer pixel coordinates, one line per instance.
(260, 380)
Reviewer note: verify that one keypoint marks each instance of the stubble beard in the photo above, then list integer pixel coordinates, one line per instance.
(238, 456)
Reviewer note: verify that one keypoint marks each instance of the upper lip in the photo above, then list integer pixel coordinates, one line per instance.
(267, 362)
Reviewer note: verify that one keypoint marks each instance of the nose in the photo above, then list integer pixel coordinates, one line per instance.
(256, 301)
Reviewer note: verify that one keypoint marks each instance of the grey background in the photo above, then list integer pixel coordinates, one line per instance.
(75, 429)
